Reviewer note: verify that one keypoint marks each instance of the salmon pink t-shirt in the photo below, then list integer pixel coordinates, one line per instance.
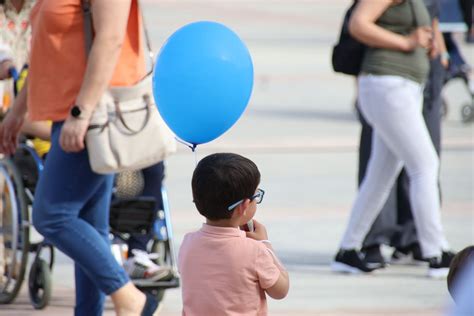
(225, 273)
(58, 57)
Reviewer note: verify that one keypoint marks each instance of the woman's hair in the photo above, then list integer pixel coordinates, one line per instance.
(459, 262)
(221, 180)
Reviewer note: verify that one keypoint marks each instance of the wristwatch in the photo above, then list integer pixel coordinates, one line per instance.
(77, 112)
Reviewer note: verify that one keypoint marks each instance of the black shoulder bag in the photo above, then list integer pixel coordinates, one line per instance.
(348, 53)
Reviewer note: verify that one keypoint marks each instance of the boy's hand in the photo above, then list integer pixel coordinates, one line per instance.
(259, 233)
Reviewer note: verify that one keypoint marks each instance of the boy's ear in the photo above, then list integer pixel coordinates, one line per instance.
(242, 207)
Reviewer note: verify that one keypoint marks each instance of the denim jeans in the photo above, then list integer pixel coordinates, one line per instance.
(392, 106)
(71, 210)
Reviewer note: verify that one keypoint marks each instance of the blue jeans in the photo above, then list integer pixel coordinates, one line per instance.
(71, 210)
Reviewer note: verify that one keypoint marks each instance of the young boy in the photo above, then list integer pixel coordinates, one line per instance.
(225, 270)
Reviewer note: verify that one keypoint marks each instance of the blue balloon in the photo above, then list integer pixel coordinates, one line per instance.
(202, 81)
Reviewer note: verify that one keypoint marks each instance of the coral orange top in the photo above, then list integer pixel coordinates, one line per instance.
(58, 57)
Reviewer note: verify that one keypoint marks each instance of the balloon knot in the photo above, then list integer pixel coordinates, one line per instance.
(191, 146)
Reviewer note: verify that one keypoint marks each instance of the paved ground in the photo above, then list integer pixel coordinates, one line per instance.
(301, 131)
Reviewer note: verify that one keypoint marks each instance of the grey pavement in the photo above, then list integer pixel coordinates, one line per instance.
(301, 130)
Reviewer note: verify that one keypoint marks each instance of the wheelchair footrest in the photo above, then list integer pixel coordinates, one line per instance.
(145, 284)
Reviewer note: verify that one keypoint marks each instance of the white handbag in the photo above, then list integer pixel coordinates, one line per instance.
(126, 131)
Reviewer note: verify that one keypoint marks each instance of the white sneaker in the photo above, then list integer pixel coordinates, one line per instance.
(141, 266)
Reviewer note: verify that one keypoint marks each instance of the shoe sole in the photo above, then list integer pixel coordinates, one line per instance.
(345, 268)
(376, 265)
(438, 273)
(407, 261)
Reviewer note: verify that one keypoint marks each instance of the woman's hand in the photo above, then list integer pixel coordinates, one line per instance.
(421, 37)
(73, 133)
(10, 130)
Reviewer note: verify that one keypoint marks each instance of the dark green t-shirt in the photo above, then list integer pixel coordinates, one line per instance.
(402, 19)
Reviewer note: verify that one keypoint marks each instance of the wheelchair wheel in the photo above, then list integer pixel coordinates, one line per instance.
(467, 113)
(39, 284)
(14, 231)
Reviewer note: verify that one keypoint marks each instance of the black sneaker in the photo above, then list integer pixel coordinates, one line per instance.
(349, 261)
(373, 257)
(410, 255)
(439, 266)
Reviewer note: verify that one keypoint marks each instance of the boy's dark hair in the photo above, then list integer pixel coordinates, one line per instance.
(458, 264)
(221, 180)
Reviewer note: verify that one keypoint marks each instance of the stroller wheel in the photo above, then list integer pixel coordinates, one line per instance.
(467, 113)
(39, 284)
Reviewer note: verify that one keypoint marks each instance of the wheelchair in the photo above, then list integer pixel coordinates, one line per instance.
(129, 214)
(19, 177)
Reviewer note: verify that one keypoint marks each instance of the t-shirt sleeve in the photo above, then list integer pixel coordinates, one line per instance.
(182, 252)
(267, 271)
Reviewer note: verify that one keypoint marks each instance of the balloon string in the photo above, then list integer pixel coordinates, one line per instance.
(195, 157)
(191, 146)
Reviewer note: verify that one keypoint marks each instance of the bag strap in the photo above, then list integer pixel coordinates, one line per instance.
(132, 131)
(89, 29)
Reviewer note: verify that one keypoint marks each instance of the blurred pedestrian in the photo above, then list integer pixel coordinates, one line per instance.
(394, 69)
(64, 85)
(395, 225)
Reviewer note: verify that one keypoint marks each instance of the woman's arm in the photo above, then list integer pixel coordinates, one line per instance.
(110, 18)
(11, 125)
(40, 129)
(439, 47)
(362, 26)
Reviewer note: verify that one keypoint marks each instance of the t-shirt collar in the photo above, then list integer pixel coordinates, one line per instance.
(223, 231)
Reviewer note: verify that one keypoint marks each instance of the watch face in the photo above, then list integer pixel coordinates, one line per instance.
(75, 111)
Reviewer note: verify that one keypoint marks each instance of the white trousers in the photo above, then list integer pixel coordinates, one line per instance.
(393, 106)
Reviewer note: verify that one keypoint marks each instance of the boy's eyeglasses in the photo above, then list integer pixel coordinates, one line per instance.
(258, 197)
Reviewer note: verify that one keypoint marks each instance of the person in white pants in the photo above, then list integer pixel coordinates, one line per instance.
(393, 71)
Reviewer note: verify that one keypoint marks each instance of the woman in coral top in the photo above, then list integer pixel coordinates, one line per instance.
(64, 85)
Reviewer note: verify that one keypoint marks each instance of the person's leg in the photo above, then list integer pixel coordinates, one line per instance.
(411, 142)
(384, 225)
(89, 298)
(382, 171)
(67, 184)
(393, 107)
(406, 236)
(432, 102)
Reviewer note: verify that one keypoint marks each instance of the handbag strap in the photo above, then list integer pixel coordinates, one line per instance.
(89, 32)
(132, 131)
